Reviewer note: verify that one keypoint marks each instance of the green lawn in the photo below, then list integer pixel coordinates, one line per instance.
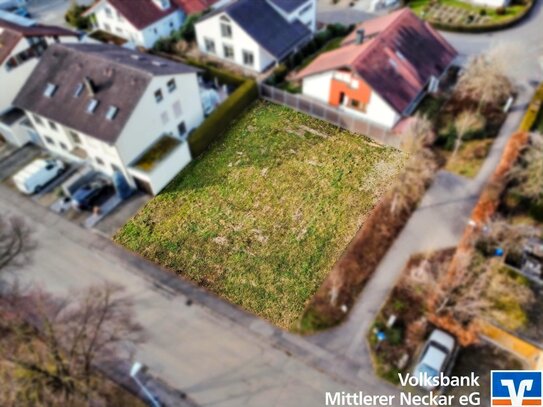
(261, 218)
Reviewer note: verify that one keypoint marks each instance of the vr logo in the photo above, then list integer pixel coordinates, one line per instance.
(516, 388)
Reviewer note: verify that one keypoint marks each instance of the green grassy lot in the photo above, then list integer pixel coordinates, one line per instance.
(263, 215)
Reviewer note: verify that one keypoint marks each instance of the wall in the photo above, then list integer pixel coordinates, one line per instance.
(166, 170)
(146, 124)
(240, 40)
(377, 110)
(120, 26)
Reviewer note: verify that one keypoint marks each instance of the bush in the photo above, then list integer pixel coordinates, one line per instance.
(215, 125)
(74, 17)
(187, 31)
(224, 77)
(501, 11)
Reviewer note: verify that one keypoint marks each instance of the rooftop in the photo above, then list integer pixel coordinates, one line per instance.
(397, 58)
(92, 88)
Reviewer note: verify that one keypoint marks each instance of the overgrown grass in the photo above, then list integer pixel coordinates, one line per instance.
(419, 7)
(470, 158)
(263, 215)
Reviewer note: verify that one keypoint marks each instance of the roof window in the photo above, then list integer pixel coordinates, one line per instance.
(91, 107)
(112, 112)
(50, 90)
(79, 90)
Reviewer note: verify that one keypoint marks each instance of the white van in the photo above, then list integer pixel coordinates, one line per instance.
(32, 178)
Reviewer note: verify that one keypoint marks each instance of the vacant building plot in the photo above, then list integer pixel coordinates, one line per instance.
(261, 217)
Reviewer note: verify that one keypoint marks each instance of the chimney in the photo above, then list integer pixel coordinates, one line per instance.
(89, 84)
(360, 33)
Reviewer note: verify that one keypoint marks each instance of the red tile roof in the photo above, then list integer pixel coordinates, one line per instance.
(397, 59)
(194, 6)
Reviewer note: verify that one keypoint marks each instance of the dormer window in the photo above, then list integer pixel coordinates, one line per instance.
(50, 90)
(79, 90)
(91, 107)
(112, 112)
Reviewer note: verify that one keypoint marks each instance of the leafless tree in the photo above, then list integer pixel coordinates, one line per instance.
(417, 141)
(484, 80)
(528, 172)
(464, 123)
(16, 243)
(55, 345)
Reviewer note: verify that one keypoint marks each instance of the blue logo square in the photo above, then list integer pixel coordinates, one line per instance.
(516, 388)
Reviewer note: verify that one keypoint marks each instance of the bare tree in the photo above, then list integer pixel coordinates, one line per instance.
(417, 142)
(484, 80)
(16, 242)
(528, 172)
(55, 345)
(467, 121)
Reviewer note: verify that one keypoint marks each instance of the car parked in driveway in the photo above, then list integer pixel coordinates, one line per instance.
(92, 194)
(32, 178)
(436, 356)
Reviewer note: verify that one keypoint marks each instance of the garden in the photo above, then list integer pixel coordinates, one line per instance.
(262, 216)
(459, 15)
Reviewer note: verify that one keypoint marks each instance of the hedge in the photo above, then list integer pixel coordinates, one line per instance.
(529, 119)
(224, 77)
(485, 28)
(213, 127)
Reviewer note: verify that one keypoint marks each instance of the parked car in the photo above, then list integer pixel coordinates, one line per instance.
(92, 194)
(32, 178)
(436, 355)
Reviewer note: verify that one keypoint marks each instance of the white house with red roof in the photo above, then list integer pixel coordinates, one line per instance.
(22, 43)
(382, 70)
(144, 22)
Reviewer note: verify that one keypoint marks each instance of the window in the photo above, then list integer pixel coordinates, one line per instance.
(49, 140)
(177, 110)
(52, 125)
(165, 117)
(228, 52)
(112, 112)
(91, 107)
(50, 90)
(109, 12)
(78, 90)
(38, 120)
(107, 27)
(158, 96)
(115, 168)
(75, 137)
(248, 58)
(99, 161)
(226, 30)
(119, 30)
(63, 146)
(182, 128)
(119, 16)
(172, 85)
(209, 45)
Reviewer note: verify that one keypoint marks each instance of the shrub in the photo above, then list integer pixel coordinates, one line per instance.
(74, 17)
(501, 11)
(211, 71)
(187, 31)
(213, 127)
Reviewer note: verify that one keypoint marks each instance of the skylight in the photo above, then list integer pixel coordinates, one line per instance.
(78, 90)
(112, 112)
(91, 107)
(50, 90)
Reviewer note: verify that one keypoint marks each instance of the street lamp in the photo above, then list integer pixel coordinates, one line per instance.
(136, 367)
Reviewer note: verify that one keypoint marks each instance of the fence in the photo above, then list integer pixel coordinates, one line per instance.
(329, 114)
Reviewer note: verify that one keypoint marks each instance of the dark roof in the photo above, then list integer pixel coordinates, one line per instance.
(397, 61)
(12, 33)
(288, 5)
(267, 27)
(119, 77)
(13, 115)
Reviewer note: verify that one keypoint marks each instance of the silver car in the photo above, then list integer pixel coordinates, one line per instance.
(435, 356)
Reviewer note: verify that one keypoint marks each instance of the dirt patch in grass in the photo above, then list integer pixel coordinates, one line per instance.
(470, 158)
(262, 217)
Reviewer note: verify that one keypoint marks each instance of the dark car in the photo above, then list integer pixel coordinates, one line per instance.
(92, 194)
